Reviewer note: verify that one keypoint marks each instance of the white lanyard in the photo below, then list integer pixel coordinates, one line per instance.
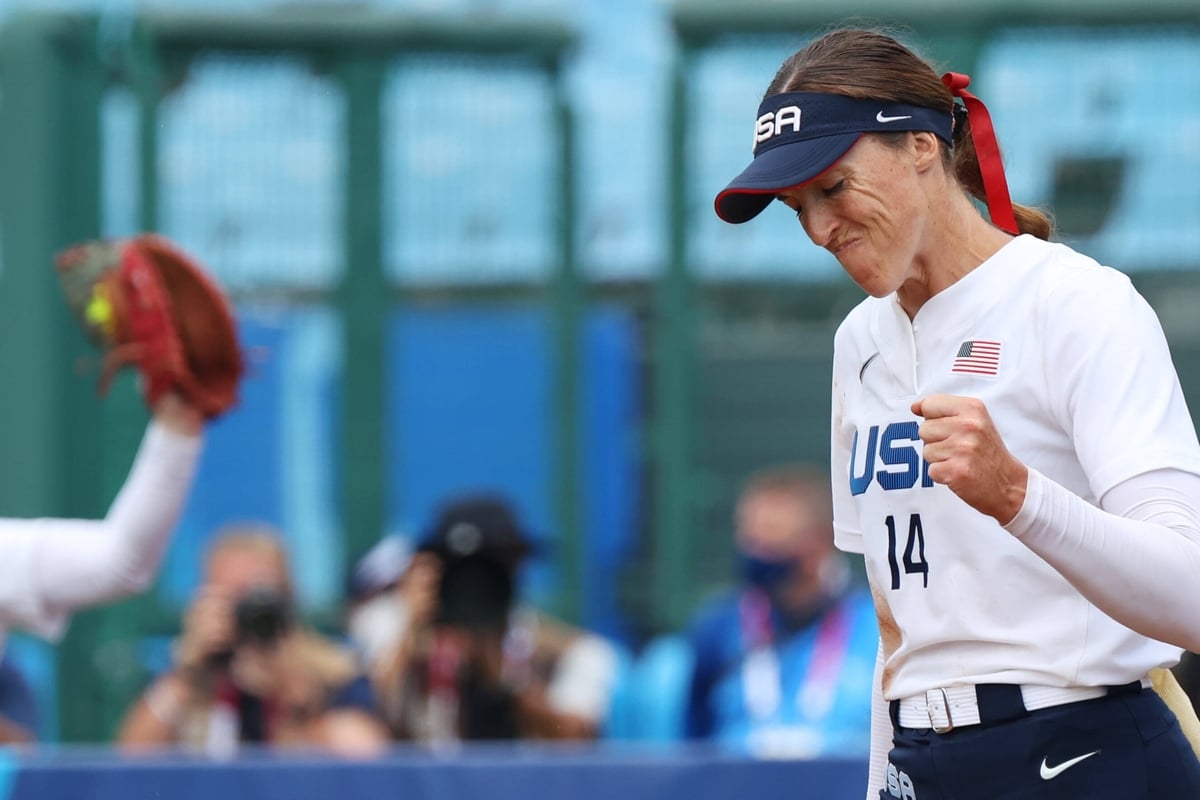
(762, 687)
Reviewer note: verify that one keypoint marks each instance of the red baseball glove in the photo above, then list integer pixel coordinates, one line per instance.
(145, 303)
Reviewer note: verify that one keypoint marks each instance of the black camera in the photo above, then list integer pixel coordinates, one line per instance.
(262, 615)
(475, 592)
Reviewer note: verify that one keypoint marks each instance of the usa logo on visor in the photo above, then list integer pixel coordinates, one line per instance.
(798, 135)
(774, 123)
(779, 118)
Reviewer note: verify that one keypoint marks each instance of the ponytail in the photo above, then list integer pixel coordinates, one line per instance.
(982, 174)
(965, 164)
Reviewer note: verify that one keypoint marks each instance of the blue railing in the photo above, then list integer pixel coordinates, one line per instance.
(494, 773)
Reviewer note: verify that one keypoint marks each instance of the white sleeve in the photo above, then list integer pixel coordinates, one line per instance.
(51, 567)
(847, 533)
(1113, 386)
(881, 734)
(1136, 558)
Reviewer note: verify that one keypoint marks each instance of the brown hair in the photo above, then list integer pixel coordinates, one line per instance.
(869, 64)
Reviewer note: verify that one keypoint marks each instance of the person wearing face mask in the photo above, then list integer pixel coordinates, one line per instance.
(783, 662)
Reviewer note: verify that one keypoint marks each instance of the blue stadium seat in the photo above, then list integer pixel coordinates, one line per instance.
(34, 659)
(651, 702)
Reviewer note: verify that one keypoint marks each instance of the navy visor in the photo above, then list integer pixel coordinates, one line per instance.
(799, 135)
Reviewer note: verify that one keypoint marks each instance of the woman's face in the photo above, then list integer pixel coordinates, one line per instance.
(871, 209)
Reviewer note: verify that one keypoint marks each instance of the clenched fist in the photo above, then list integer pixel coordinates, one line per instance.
(966, 453)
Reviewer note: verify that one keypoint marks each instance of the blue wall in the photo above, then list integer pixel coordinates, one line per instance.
(524, 773)
(470, 407)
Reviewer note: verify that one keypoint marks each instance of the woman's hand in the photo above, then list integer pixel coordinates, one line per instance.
(966, 453)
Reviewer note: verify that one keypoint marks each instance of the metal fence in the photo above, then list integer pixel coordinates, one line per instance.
(394, 201)
(333, 170)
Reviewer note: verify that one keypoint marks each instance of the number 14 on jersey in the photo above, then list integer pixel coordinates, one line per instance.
(914, 551)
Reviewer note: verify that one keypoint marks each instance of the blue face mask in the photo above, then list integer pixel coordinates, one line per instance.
(767, 574)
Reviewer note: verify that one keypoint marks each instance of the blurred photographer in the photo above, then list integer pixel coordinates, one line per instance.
(453, 655)
(246, 672)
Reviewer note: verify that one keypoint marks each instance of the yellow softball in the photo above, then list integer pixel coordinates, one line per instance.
(99, 312)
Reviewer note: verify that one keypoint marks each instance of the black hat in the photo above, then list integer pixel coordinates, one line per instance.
(481, 544)
(478, 525)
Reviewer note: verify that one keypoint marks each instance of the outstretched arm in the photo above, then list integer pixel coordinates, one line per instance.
(59, 565)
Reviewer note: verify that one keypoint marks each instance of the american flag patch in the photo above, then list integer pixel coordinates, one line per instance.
(977, 357)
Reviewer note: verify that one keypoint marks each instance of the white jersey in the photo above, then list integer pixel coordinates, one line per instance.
(1075, 372)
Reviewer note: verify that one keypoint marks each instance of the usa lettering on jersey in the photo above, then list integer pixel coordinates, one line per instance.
(895, 450)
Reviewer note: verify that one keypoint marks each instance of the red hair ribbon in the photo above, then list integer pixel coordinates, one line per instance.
(995, 186)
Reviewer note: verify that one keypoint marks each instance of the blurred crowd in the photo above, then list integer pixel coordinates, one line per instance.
(436, 646)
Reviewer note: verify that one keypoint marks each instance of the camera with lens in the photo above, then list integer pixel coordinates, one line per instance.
(475, 592)
(262, 615)
(481, 545)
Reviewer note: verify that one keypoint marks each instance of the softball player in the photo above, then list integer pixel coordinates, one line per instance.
(1011, 449)
(51, 567)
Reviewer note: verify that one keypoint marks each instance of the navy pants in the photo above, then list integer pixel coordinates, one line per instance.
(1124, 746)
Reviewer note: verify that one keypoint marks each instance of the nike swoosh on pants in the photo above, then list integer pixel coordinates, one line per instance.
(1049, 773)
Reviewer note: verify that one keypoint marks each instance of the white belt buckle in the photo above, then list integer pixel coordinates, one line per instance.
(937, 706)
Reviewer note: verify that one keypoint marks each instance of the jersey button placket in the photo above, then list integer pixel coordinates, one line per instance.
(916, 358)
